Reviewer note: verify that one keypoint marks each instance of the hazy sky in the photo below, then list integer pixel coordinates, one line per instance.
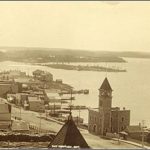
(118, 26)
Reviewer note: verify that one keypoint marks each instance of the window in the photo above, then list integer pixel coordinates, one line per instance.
(111, 129)
(122, 119)
(91, 118)
(101, 103)
(100, 130)
(94, 128)
(100, 120)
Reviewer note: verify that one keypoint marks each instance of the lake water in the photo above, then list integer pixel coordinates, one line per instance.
(131, 89)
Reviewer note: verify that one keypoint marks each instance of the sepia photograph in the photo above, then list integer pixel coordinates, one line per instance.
(75, 74)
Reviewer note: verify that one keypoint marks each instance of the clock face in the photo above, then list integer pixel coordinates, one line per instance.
(108, 93)
(105, 93)
(102, 93)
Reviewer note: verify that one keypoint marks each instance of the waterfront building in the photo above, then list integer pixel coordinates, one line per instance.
(5, 116)
(120, 119)
(12, 74)
(27, 83)
(43, 75)
(36, 104)
(8, 87)
(136, 131)
(11, 98)
(52, 95)
(55, 105)
(69, 135)
(106, 119)
(21, 98)
(59, 81)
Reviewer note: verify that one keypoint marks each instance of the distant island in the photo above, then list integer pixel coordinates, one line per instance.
(84, 68)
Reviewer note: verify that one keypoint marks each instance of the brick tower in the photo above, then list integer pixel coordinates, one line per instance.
(105, 102)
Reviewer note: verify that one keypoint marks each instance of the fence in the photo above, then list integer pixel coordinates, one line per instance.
(39, 130)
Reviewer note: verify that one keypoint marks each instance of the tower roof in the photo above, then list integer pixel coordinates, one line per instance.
(105, 85)
(69, 135)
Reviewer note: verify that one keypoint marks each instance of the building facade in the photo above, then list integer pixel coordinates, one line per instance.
(95, 122)
(36, 104)
(5, 116)
(120, 119)
(8, 87)
(106, 119)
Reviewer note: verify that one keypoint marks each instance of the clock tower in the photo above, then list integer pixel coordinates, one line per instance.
(105, 102)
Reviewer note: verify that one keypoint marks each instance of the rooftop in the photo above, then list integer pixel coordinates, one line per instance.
(105, 85)
(69, 135)
(20, 125)
(133, 128)
(5, 108)
(118, 109)
(33, 98)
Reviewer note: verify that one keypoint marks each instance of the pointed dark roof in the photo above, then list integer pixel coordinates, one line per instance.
(69, 135)
(105, 85)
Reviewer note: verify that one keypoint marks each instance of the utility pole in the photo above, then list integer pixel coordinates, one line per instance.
(79, 111)
(40, 124)
(8, 144)
(142, 127)
(20, 112)
(39, 130)
(106, 69)
(71, 96)
(46, 113)
(61, 98)
(78, 118)
(71, 101)
(118, 126)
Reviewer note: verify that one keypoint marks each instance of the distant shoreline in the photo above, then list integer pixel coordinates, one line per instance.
(83, 68)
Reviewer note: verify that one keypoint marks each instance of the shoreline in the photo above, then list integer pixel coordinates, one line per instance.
(84, 68)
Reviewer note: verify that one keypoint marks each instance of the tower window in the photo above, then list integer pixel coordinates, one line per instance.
(100, 120)
(122, 119)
